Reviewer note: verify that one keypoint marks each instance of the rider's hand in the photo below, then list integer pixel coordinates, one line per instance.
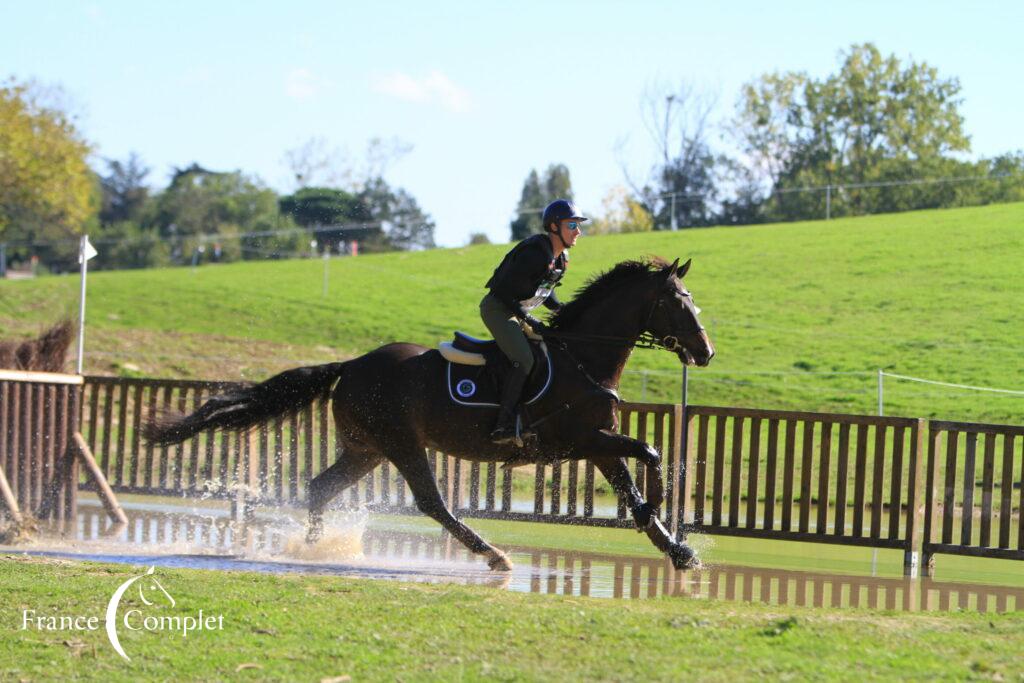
(537, 326)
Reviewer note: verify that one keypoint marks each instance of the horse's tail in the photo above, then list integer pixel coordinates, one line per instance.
(283, 394)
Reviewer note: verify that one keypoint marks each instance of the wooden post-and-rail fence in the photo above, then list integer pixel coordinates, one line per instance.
(41, 448)
(884, 482)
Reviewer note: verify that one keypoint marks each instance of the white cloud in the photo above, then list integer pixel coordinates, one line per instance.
(302, 84)
(434, 88)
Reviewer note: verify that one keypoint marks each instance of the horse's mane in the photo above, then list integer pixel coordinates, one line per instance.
(600, 287)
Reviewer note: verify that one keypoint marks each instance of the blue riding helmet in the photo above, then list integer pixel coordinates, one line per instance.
(560, 210)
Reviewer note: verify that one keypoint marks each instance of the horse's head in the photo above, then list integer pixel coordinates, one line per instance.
(674, 320)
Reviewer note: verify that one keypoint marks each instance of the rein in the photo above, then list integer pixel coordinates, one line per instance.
(645, 340)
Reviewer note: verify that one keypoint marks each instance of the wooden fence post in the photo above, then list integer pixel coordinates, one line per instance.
(916, 511)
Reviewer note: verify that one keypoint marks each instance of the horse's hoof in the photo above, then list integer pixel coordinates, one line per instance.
(644, 516)
(498, 561)
(683, 557)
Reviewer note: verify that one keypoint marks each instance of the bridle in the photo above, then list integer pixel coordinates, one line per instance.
(646, 339)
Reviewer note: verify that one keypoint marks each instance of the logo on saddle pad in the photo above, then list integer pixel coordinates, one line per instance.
(477, 385)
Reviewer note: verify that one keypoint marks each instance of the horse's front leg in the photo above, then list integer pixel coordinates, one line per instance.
(615, 471)
(606, 443)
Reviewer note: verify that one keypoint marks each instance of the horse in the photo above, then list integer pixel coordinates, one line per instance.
(394, 402)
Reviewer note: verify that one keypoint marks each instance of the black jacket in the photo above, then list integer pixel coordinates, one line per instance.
(528, 267)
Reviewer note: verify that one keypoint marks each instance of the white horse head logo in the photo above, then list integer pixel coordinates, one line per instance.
(151, 586)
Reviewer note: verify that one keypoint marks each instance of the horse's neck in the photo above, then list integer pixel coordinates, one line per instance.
(605, 362)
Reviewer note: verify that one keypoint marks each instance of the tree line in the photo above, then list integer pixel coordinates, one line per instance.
(49, 195)
(876, 136)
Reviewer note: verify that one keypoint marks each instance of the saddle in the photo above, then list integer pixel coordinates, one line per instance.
(477, 367)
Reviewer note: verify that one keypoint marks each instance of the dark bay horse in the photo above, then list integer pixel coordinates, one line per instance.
(393, 403)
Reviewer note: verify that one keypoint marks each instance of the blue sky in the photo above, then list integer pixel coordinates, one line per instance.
(483, 91)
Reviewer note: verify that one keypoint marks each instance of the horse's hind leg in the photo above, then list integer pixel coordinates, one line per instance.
(352, 466)
(412, 463)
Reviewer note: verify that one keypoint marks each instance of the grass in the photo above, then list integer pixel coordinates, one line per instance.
(313, 628)
(930, 294)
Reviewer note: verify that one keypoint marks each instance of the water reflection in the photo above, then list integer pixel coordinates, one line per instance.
(210, 539)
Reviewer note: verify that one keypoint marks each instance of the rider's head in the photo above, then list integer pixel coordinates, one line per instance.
(562, 218)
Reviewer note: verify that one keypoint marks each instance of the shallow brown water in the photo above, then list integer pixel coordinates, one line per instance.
(206, 538)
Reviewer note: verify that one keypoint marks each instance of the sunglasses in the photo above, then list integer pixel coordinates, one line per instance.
(573, 225)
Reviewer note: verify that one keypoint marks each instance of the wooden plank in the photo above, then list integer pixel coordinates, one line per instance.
(94, 414)
(277, 449)
(752, 472)
(123, 455)
(103, 490)
(952, 441)
(788, 467)
(538, 489)
(165, 451)
(1006, 493)
(896, 484)
(1020, 508)
(149, 459)
(179, 451)
(987, 485)
(38, 437)
(915, 513)
(293, 459)
(492, 485)
(108, 428)
(835, 418)
(931, 497)
(23, 486)
(193, 459)
(842, 479)
(824, 470)
(588, 489)
(309, 471)
(878, 482)
(24, 377)
(474, 486)
(572, 483)
(640, 477)
(136, 454)
(556, 488)
(66, 402)
(735, 472)
(860, 477)
(717, 493)
(210, 450)
(771, 473)
(676, 446)
(5, 427)
(976, 427)
(625, 426)
(69, 427)
(669, 464)
(506, 488)
(52, 455)
(806, 473)
(701, 479)
(967, 514)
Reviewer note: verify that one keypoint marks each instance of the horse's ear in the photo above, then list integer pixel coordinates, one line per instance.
(672, 269)
(683, 268)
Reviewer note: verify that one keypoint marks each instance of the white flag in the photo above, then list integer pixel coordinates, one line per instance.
(88, 251)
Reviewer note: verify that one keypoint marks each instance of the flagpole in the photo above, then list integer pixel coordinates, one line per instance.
(81, 302)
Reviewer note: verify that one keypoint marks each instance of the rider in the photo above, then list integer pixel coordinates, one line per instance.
(525, 279)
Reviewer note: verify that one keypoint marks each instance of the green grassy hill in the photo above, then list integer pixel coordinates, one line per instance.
(932, 294)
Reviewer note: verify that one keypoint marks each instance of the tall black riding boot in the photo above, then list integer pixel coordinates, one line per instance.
(505, 429)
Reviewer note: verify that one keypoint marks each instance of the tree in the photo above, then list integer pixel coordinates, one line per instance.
(47, 191)
(478, 238)
(680, 187)
(202, 206)
(318, 206)
(536, 195)
(874, 123)
(621, 213)
(124, 190)
(316, 163)
(406, 226)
